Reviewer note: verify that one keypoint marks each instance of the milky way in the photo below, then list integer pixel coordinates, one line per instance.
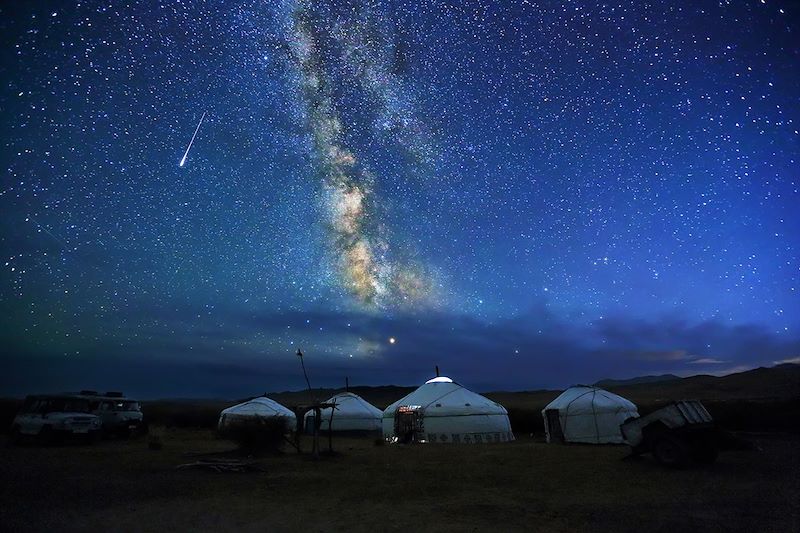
(359, 238)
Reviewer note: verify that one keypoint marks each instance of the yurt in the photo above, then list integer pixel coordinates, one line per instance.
(352, 413)
(587, 414)
(257, 408)
(443, 411)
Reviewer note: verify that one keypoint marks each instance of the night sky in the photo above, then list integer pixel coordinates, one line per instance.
(527, 194)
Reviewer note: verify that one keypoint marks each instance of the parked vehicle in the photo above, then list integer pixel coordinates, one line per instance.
(118, 415)
(51, 418)
(678, 434)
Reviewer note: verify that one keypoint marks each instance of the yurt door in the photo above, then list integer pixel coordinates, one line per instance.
(408, 424)
(554, 425)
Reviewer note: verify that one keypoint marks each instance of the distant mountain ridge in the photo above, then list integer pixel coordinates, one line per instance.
(777, 382)
(764, 383)
(636, 381)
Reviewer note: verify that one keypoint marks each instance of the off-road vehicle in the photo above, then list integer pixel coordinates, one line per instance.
(54, 417)
(118, 415)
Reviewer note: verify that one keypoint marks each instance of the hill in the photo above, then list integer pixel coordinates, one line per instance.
(605, 383)
(775, 383)
(780, 382)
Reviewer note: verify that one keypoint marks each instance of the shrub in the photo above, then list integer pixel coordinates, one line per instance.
(255, 435)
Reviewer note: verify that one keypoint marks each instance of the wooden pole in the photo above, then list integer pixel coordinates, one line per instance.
(315, 441)
(317, 422)
(330, 428)
(299, 414)
(300, 355)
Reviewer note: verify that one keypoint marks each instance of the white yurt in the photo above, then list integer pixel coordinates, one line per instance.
(444, 411)
(587, 414)
(257, 408)
(352, 413)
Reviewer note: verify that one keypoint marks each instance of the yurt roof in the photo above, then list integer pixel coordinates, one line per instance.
(441, 396)
(587, 399)
(349, 405)
(261, 406)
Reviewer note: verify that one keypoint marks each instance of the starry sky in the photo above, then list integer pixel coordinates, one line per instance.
(527, 194)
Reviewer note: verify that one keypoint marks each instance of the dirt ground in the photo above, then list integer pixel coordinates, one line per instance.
(523, 486)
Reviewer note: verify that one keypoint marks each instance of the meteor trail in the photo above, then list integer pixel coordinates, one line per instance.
(183, 160)
(60, 241)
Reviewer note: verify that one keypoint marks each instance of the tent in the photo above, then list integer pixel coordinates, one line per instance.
(353, 413)
(587, 414)
(257, 408)
(444, 411)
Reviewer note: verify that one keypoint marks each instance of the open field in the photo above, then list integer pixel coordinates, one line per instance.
(523, 486)
(526, 485)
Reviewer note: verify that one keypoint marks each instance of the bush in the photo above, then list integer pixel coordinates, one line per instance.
(257, 434)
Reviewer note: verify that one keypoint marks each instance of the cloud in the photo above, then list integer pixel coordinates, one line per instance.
(789, 360)
(707, 361)
(234, 352)
(669, 355)
(732, 370)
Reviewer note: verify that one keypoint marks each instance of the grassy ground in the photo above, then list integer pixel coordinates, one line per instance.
(527, 485)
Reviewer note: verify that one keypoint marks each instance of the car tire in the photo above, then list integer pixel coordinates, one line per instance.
(671, 451)
(46, 435)
(705, 453)
(16, 436)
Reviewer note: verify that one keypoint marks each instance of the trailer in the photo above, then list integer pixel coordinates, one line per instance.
(677, 435)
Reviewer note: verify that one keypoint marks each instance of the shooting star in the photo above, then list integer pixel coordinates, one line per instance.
(59, 240)
(185, 155)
